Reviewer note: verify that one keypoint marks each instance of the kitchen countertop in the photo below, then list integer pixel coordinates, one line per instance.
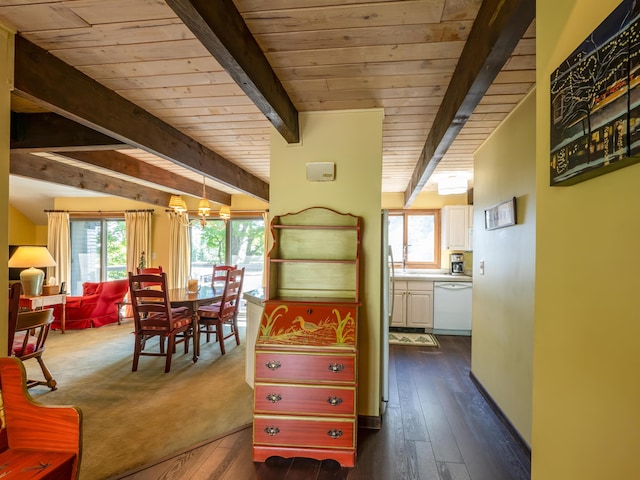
(255, 296)
(430, 275)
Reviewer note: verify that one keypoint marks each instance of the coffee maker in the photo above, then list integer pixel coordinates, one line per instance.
(457, 264)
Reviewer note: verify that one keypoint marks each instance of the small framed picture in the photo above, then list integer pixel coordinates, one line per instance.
(501, 215)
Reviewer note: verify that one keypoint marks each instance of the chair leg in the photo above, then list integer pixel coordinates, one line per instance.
(137, 348)
(220, 333)
(51, 383)
(235, 330)
(171, 346)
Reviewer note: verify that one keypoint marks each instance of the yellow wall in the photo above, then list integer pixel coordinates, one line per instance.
(6, 81)
(353, 140)
(586, 420)
(21, 230)
(502, 354)
(423, 200)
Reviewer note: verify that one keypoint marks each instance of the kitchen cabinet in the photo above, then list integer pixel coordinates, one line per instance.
(457, 223)
(306, 356)
(412, 304)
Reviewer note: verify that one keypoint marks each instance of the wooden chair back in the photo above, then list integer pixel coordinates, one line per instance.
(220, 275)
(231, 296)
(14, 308)
(150, 305)
(30, 336)
(149, 271)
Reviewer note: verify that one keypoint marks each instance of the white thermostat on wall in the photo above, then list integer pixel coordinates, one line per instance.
(321, 172)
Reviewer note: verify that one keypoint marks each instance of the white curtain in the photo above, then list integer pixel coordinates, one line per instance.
(138, 224)
(179, 250)
(59, 246)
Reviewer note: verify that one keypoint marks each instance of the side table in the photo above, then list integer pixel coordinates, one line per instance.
(37, 303)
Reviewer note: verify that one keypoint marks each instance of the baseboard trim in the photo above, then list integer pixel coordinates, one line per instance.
(500, 414)
(371, 422)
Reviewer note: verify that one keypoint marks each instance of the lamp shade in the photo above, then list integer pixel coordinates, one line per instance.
(177, 203)
(204, 207)
(31, 257)
(225, 212)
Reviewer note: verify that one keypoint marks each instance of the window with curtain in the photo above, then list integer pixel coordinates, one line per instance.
(240, 242)
(98, 251)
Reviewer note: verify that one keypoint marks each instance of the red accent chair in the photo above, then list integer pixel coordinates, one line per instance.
(36, 441)
(97, 306)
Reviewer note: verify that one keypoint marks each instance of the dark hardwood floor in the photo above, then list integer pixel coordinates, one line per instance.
(437, 426)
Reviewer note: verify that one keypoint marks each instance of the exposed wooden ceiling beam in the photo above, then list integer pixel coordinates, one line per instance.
(32, 166)
(223, 32)
(46, 80)
(49, 132)
(126, 165)
(496, 31)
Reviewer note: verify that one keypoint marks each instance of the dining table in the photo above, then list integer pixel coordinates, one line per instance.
(205, 295)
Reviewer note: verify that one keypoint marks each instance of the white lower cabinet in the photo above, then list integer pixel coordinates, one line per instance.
(412, 304)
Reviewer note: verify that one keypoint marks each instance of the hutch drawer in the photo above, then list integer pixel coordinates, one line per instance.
(304, 399)
(304, 432)
(305, 367)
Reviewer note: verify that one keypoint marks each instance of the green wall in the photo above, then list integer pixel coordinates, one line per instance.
(502, 354)
(586, 420)
(353, 140)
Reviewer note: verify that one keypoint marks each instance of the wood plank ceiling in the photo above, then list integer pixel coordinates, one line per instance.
(326, 54)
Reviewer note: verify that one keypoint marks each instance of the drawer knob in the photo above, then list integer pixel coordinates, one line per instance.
(273, 364)
(272, 431)
(334, 401)
(336, 367)
(274, 397)
(309, 311)
(335, 433)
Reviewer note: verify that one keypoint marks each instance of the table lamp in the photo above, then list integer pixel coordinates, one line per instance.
(32, 277)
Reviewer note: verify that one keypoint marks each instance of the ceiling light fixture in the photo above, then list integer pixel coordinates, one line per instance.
(452, 185)
(204, 207)
(177, 204)
(225, 213)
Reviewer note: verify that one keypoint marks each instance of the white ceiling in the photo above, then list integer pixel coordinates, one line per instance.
(33, 197)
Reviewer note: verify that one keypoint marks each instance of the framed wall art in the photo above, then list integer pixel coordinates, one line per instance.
(595, 101)
(501, 215)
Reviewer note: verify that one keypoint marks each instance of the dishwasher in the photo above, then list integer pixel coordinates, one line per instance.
(452, 308)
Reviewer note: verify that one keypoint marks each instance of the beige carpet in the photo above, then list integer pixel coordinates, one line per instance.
(134, 418)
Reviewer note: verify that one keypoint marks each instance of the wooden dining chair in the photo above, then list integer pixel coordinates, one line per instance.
(154, 317)
(212, 319)
(149, 271)
(220, 275)
(29, 337)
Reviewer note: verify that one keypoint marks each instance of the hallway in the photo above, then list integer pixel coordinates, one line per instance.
(437, 426)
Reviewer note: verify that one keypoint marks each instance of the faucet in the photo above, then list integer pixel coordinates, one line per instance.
(405, 249)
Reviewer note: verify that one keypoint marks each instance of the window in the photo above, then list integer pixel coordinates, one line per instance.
(238, 242)
(98, 251)
(414, 236)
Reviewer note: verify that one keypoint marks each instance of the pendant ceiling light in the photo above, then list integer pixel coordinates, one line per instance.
(204, 207)
(225, 213)
(177, 204)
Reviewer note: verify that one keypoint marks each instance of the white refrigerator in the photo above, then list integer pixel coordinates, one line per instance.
(386, 309)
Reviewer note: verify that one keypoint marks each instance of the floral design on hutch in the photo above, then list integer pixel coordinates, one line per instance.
(305, 325)
(306, 349)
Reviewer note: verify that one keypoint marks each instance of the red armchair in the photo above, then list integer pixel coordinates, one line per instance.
(96, 307)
